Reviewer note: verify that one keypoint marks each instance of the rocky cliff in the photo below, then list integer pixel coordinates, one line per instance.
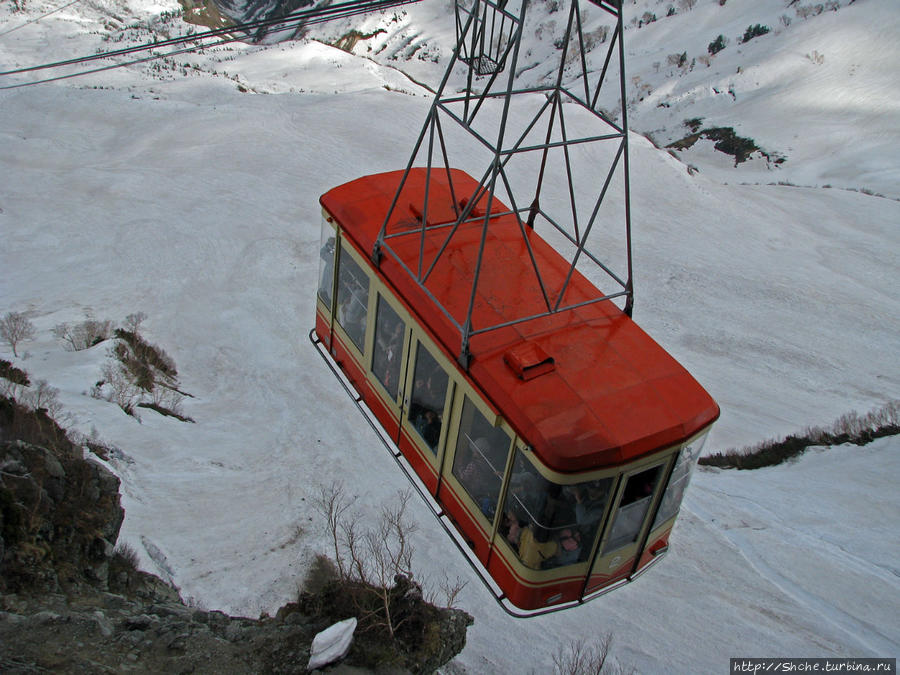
(71, 602)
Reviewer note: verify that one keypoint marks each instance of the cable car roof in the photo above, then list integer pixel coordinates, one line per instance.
(587, 388)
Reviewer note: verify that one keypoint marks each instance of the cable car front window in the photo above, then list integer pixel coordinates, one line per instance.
(353, 299)
(426, 411)
(681, 476)
(548, 524)
(326, 263)
(636, 500)
(480, 458)
(389, 328)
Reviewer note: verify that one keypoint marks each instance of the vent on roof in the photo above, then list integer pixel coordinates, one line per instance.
(475, 212)
(417, 213)
(528, 361)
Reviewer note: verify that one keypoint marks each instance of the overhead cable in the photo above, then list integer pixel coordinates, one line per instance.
(38, 18)
(314, 15)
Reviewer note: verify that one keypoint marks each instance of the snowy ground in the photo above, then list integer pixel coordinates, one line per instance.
(197, 204)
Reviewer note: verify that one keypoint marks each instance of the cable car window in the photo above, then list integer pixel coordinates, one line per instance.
(353, 299)
(681, 476)
(389, 329)
(426, 410)
(326, 263)
(551, 525)
(632, 509)
(480, 458)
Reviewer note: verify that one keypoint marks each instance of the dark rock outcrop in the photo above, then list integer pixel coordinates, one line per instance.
(70, 602)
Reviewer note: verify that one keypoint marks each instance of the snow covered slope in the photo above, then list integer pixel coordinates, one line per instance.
(181, 193)
(819, 90)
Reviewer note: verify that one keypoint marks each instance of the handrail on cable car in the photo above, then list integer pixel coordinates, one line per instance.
(440, 514)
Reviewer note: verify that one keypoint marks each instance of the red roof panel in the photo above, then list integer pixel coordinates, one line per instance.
(612, 395)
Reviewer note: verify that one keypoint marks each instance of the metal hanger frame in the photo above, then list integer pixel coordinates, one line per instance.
(489, 36)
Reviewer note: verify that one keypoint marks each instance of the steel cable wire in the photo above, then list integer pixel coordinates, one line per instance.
(312, 16)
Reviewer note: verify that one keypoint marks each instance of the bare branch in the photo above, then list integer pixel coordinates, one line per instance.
(15, 327)
(580, 657)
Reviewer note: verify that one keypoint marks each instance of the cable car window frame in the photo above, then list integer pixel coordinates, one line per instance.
(347, 248)
(499, 425)
(445, 413)
(399, 361)
(611, 545)
(691, 450)
(328, 249)
(582, 536)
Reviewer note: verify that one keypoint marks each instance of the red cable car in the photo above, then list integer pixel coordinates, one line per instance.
(557, 448)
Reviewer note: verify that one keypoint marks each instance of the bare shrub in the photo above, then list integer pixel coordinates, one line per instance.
(45, 397)
(15, 327)
(333, 503)
(99, 448)
(585, 657)
(80, 336)
(133, 321)
(143, 359)
(447, 592)
(850, 423)
(10, 388)
(849, 428)
(119, 388)
(677, 60)
(374, 560)
(321, 573)
(646, 18)
(687, 5)
(888, 414)
(386, 557)
(163, 397)
(595, 37)
(143, 374)
(817, 435)
(806, 11)
(12, 374)
(39, 397)
(816, 57)
(126, 556)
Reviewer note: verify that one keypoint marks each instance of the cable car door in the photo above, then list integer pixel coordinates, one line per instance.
(426, 409)
(390, 346)
(636, 496)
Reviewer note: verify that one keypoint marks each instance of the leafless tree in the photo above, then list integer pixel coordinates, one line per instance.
(15, 327)
(583, 657)
(373, 555)
(121, 390)
(333, 503)
(447, 591)
(133, 321)
(83, 335)
(169, 399)
(44, 397)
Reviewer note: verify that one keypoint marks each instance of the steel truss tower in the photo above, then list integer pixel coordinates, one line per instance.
(525, 130)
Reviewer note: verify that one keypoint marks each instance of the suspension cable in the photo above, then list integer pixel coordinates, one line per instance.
(152, 57)
(38, 18)
(311, 16)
